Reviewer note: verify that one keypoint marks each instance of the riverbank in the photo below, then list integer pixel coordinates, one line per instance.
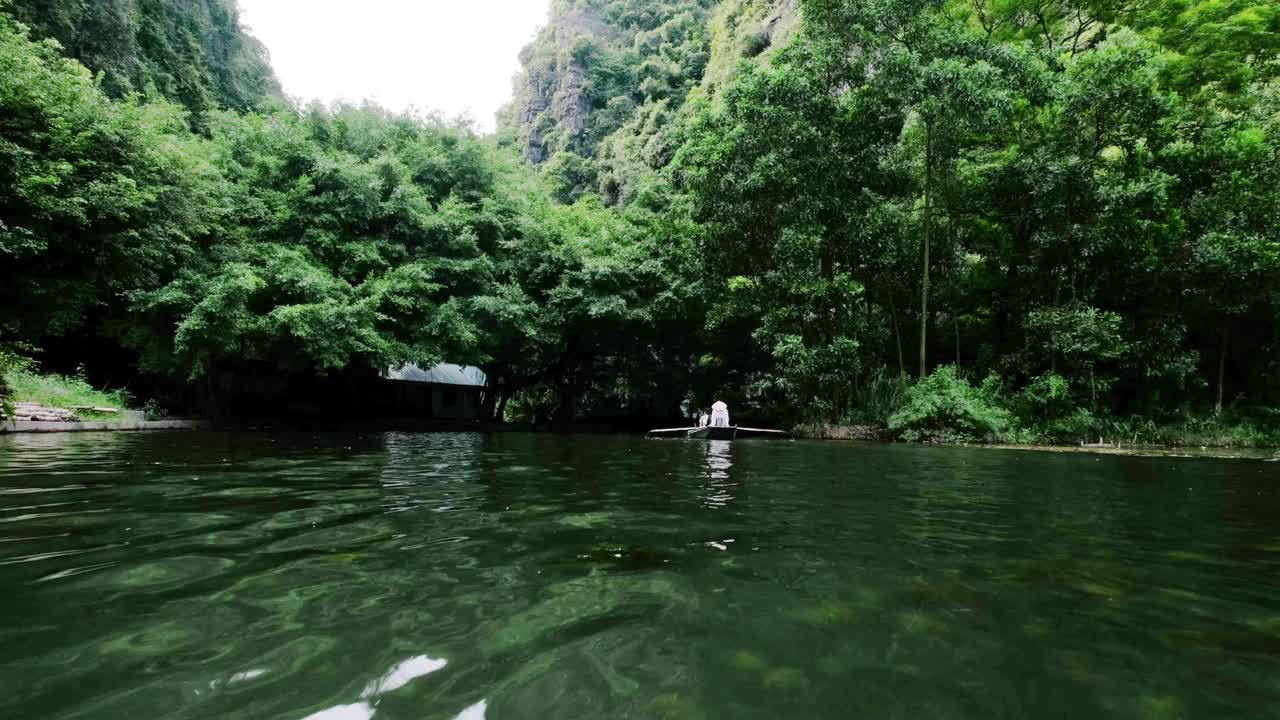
(51, 403)
(1208, 449)
(13, 427)
(828, 431)
(1217, 453)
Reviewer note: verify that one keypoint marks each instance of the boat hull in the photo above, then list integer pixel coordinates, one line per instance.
(718, 433)
(714, 433)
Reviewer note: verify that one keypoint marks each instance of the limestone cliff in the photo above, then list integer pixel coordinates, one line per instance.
(605, 80)
(554, 93)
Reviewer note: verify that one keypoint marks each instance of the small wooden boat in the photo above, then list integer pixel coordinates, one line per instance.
(718, 432)
(721, 432)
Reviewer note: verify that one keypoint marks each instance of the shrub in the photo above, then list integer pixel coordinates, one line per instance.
(6, 403)
(1048, 406)
(12, 361)
(945, 407)
(878, 398)
(1229, 430)
(152, 411)
(754, 44)
(1220, 431)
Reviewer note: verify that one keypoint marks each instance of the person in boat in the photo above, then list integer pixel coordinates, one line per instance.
(703, 419)
(719, 414)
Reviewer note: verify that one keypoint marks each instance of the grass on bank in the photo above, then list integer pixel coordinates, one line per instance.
(948, 408)
(24, 385)
(1229, 430)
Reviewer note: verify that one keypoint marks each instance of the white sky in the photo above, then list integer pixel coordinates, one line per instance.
(454, 56)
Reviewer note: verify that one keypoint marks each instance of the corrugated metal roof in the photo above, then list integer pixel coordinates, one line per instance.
(442, 374)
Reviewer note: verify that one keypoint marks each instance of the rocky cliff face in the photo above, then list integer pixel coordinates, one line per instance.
(556, 103)
(553, 90)
(606, 79)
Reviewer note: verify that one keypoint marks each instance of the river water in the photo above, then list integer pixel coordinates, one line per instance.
(469, 576)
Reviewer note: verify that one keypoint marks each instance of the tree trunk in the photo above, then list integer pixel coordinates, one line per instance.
(897, 335)
(928, 229)
(1222, 368)
(218, 393)
(567, 411)
(955, 316)
(490, 400)
(500, 415)
(956, 321)
(1053, 347)
(210, 399)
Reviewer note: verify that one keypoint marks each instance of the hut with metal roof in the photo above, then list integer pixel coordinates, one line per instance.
(444, 391)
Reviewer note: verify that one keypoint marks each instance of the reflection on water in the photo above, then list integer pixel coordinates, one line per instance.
(396, 678)
(401, 674)
(717, 486)
(527, 576)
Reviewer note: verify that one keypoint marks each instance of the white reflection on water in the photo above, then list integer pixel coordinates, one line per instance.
(717, 487)
(365, 711)
(355, 711)
(246, 675)
(397, 677)
(242, 676)
(475, 712)
(400, 675)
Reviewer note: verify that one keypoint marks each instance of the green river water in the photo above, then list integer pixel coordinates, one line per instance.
(350, 577)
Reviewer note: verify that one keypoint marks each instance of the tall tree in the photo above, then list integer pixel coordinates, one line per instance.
(97, 198)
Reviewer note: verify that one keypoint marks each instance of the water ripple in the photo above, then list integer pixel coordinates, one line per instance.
(328, 576)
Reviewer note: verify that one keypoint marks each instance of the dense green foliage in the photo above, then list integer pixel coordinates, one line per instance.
(945, 407)
(348, 238)
(1090, 223)
(1063, 218)
(192, 53)
(96, 197)
(339, 240)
